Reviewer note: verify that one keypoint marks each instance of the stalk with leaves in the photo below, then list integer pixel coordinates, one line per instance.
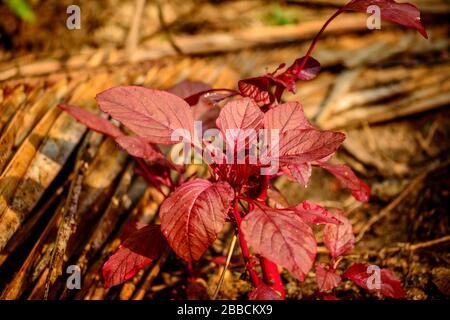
(196, 209)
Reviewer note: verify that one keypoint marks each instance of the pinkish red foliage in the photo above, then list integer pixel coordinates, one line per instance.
(298, 172)
(193, 215)
(185, 88)
(92, 120)
(196, 209)
(359, 189)
(240, 115)
(306, 68)
(314, 214)
(306, 145)
(264, 292)
(404, 14)
(390, 285)
(138, 147)
(138, 250)
(339, 238)
(326, 278)
(281, 236)
(152, 114)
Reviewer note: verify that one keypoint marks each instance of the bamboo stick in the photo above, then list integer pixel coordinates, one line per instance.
(60, 141)
(424, 99)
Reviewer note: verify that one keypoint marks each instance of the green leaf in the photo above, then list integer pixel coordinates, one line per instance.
(22, 9)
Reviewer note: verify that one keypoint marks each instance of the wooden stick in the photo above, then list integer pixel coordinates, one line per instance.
(412, 186)
(225, 267)
(424, 99)
(165, 27)
(199, 44)
(54, 151)
(133, 34)
(22, 235)
(26, 118)
(23, 277)
(140, 293)
(17, 168)
(70, 219)
(408, 85)
(341, 86)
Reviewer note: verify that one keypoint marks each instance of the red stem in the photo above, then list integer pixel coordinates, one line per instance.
(244, 247)
(316, 38)
(270, 269)
(272, 276)
(148, 176)
(191, 272)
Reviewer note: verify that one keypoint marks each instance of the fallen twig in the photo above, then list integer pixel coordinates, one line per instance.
(69, 221)
(140, 294)
(386, 210)
(225, 267)
(400, 198)
(133, 34)
(165, 28)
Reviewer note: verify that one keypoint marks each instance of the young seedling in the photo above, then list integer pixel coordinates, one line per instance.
(253, 119)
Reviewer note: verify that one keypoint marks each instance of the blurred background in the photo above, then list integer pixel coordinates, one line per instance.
(387, 89)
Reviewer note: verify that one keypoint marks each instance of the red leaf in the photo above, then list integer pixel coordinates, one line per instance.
(299, 173)
(404, 14)
(130, 228)
(282, 237)
(264, 292)
(326, 279)
(359, 189)
(206, 111)
(138, 147)
(235, 120)
(136, 252)
(310, 70)
(158, 173)
(241, 114)
(256, 89)
(299, 143)
(288, 78)
(92, 120)
(389, 286)
(286, 116)
(134, 145)
(193, 215)
(151, 114)
(305, 145)
(202, 98)
(187, 88)
(307, 68)
(314, 214)
(339, 239)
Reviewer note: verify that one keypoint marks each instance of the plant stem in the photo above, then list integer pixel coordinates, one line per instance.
(191, 271)
(148, 176)
(269, 269)
(248, 200)
(316, 38)
(244, 247)
(272, 276)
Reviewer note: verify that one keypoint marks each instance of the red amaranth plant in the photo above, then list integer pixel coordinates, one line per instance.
(196, 209)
